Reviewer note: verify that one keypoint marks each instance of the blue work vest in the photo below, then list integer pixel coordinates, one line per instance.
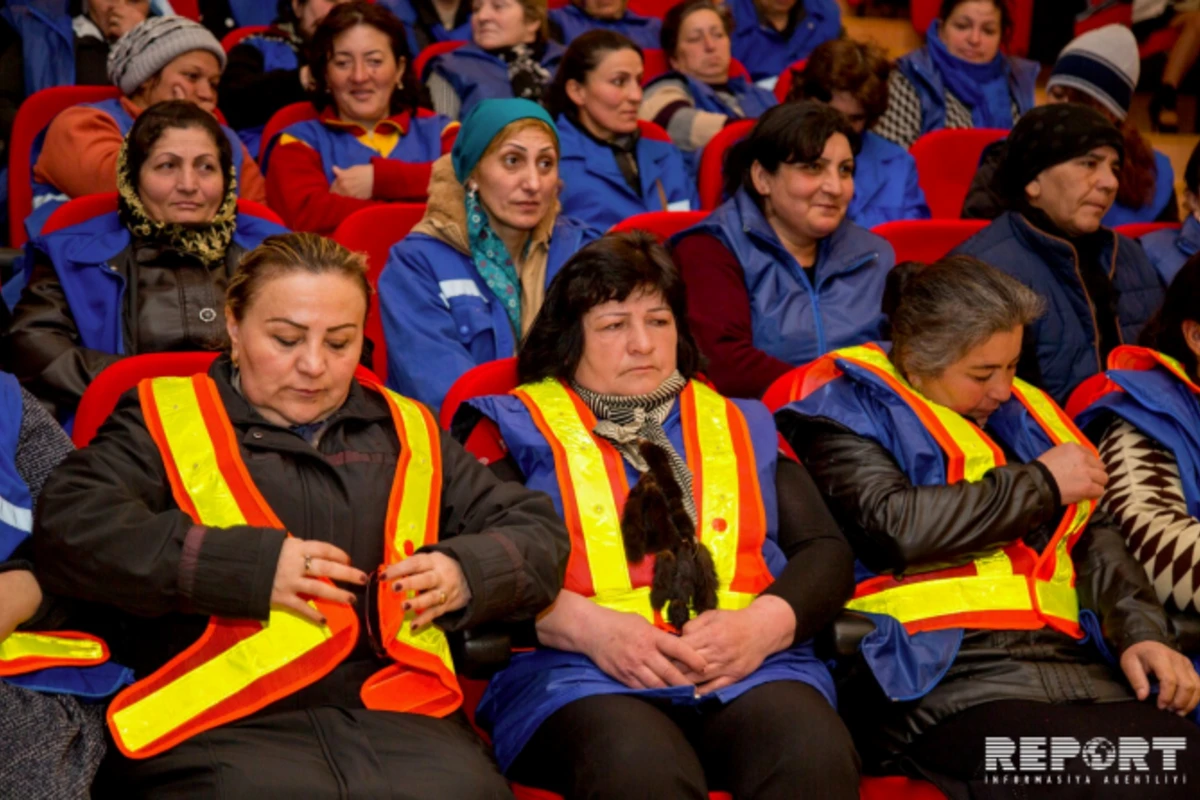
(885, 184)
(536, 684)
(437, 32)
(791, 318)
(642, 31)
(919, 68)
(766, 52)
(595, 192)
(47, 42)
(476, 74)
(1164, 193)
(1169, 249)
(338, 147)
(277, 53)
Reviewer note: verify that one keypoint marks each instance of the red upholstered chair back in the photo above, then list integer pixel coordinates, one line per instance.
(663, 224)
(927, 240)
(288, 115)
(33, 117)
(784, 84)
(653, 132)
(435, 49)
(1136, 230)
(373, 231)
(712, 159)
(946, 163)
(235, 36)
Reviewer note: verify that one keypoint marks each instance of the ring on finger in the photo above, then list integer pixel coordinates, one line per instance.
(441, 598)
(308, 565)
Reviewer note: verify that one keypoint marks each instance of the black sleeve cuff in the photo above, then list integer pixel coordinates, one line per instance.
(234, 573)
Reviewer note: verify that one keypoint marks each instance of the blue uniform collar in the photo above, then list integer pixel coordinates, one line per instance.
(1188, 241)
(1059, 253)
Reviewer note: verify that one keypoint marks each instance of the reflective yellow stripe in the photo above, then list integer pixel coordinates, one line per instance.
(39, 645)
(593, 492)
(193, 453)
(637, 601)
(720, 498)
(284, 638)
(1058, 599)
(943, 597)
(978, 454)
(412, 520)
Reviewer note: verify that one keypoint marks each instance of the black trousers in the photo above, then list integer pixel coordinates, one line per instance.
(779, 740)
(952, 754)
(323, 752)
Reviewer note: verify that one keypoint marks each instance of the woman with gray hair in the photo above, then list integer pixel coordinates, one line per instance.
(1000, 602)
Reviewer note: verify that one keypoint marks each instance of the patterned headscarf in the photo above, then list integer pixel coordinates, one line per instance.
(207, 241)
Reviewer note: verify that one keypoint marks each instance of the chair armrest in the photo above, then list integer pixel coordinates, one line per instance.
(841, 638)
(482, 652)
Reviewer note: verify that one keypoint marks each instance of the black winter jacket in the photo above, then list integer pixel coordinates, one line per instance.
(895, 527)
(110, 534)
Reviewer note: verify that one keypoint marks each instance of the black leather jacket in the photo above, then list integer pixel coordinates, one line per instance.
(895, 526)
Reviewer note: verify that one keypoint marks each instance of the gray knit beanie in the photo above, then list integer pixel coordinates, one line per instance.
(1103, 64)
(140, 54)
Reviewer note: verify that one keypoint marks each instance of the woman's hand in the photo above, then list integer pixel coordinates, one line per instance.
(302, 564)
(631, 650)
(437, 579)
(20, 597)
(1078, 472)
(306, 79)
(735, 643)
(357, 181)
(1178, 684)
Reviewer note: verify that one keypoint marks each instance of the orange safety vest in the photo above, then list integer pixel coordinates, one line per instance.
(28, 651)
(1010, 588)
(239, 666)
(591, 478)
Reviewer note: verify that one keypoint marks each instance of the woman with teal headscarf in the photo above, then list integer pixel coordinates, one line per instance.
(464, 286)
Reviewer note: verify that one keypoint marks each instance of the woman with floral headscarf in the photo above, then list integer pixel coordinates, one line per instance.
(149, 277)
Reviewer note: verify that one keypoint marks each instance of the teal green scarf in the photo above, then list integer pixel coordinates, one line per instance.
(492, 260)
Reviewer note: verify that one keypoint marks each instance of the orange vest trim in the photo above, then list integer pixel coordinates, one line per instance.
(22, 652)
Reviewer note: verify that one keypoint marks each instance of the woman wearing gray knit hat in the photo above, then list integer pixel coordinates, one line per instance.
(1099, 69)
(1059, 179)
(164, 58)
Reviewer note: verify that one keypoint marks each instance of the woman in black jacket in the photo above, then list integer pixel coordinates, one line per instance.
(966, 495)
(317, 525)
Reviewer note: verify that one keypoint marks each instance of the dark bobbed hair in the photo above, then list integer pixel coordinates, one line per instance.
(1006, 17)
(156, 120)
(791, 133)
(610, 268)
(844, 65)
(583, 55)
(673, 21)
(1191, 173)
(342, 18)
(1164, 331)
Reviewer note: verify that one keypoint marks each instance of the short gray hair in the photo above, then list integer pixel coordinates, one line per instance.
(940, 312)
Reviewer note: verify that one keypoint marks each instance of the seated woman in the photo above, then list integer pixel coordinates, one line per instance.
(959, 79)
(259, 509)
(676, 657)
(1146, 417)
(509, 55)
(698, 97)
(1169, 249)
(853, 78)
(580, 16)
(53, 725)
(465, 285)
(164, 58)
(428, 22)
(609, 170)
(148, 278)
(1098, 69)
(778, 275)
(996, 593)
(369, 145)
(771, 35)
(1150, 17)
(1099, 286)
(266, 71)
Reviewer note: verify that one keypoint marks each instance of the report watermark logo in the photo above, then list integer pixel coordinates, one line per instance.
(1098, 761)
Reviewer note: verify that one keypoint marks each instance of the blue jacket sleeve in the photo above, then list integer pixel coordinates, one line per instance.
(915, 206)
(424, 353)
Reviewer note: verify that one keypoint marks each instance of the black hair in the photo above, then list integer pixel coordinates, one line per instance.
(342, 18)
(1164, 331)
(610, 268)
(1191, 173)
(152, 123)
(791, 133)
(583, 55)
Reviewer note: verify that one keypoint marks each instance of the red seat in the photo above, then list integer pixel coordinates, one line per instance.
(925, 11)
(888, 788)
(1136, 230)
(712, 159)
(435, 49)
(927, 240)
(373, 231)
(654, 133)
(288, 115)
(33, 117)
(1103, 14)
(93, 205)
(663, 224)
(187, 8)
(491, 377)
(783, 86)
(947, 161)
(652, 8)
(654, 63)
(235, 36)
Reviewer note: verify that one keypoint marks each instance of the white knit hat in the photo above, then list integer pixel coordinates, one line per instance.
(1103, 64)
(151, 45)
